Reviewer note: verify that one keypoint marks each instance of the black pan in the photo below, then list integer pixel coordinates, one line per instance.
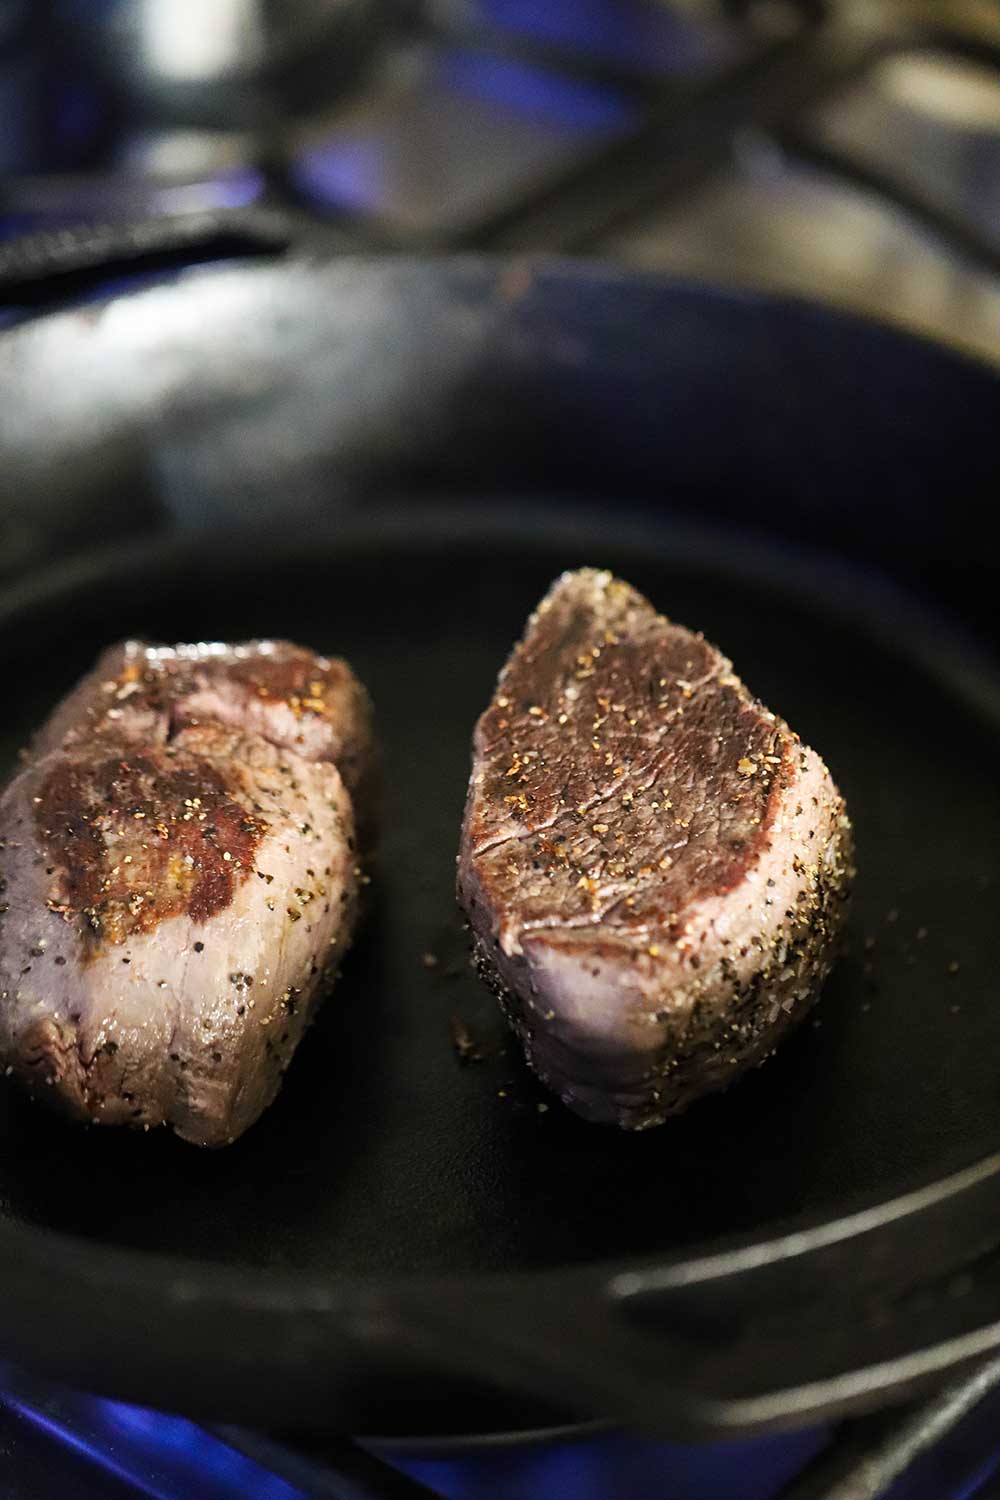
(405, 1244)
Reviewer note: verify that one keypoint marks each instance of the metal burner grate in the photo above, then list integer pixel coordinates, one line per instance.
(96, 1449)
(842, 150)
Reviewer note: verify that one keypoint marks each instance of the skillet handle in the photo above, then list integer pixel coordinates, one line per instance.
(708, 1366)
(816, 1323)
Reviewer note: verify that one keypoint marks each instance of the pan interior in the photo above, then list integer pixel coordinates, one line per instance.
(383, 1152)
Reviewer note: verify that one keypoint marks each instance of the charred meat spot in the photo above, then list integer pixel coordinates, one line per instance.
(294, 678)
(87, 815)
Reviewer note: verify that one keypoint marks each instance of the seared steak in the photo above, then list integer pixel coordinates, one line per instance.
(312, 705)
(655, 869)
(178, 878)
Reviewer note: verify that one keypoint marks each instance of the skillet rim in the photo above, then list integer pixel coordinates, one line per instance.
(492, 267)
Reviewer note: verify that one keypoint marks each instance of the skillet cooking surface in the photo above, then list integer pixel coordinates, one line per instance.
(383, 1153)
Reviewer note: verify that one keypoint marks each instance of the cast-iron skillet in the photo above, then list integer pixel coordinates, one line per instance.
(391, 461)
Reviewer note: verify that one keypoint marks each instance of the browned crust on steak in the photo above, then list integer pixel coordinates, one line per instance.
(311, 705)
(655, 868)
(179, 873)
(134, 838)
(571, 756)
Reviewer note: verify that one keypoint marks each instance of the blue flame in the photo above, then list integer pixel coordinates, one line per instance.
(160, 1456)
(534, 92)
(649, 38)
(622, 1466)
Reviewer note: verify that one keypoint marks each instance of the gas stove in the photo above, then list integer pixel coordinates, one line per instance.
(846, 151)
(54, 1441)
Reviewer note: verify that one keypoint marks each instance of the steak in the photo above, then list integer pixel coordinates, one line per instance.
(179, 879)
(655, 869)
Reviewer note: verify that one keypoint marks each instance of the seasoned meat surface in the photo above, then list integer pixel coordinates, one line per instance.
(179, 877)
(655, 869)
(312, 705)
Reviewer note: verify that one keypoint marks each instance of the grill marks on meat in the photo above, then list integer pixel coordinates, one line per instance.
(655, 869)
(180, 876)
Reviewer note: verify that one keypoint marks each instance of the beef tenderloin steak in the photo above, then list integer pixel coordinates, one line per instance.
(655, 869)
(178, 877)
